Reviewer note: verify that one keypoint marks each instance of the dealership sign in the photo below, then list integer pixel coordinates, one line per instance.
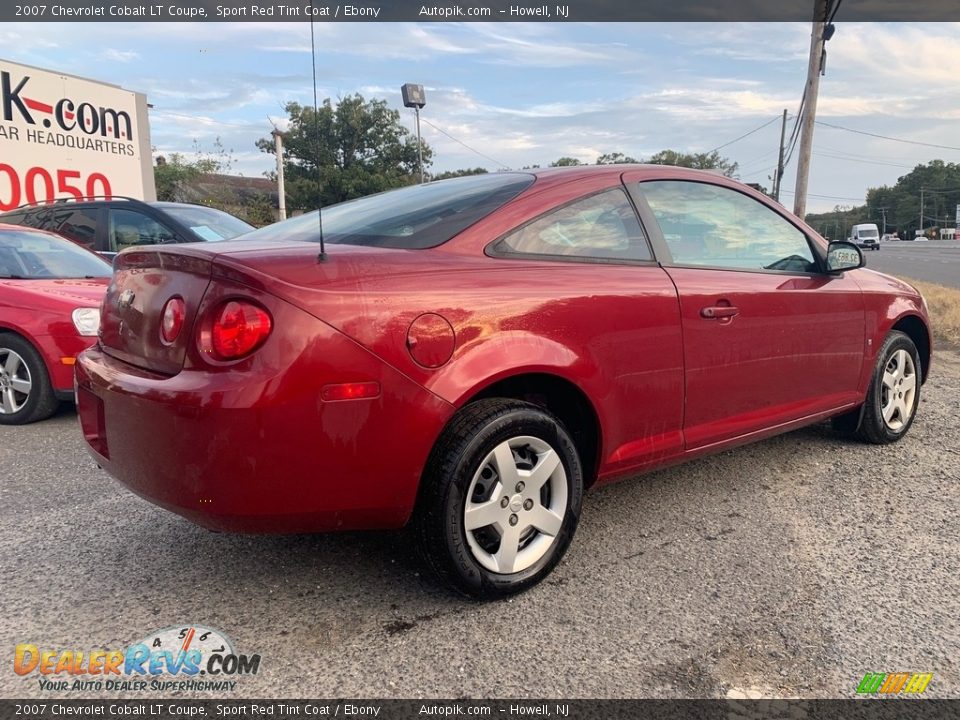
(62, 136)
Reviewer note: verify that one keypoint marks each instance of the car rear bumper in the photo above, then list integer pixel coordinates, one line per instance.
(262, 452)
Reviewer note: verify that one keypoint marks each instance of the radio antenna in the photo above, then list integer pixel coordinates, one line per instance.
(316, 131)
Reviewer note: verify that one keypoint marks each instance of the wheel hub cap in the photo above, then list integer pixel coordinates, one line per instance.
(516, 504)
(898, 390)
(15, 382)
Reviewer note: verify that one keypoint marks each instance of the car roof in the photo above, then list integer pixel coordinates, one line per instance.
(664, 172)
(547, 178)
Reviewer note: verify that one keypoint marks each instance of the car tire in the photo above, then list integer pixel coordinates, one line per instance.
(510, 463)
(894, 394)
(26, 394)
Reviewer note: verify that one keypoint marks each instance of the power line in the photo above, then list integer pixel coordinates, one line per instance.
(860, 160)
(827, 197)
(747, 134)
(833, 13)
(444, 132)
(795, 133)
(887, 137)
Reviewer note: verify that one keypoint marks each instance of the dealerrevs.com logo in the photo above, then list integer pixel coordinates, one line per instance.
(185, 658)
(68, 114)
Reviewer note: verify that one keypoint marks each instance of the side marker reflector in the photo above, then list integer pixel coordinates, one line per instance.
(350, 391)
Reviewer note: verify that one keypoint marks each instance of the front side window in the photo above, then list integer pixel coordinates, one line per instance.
(129, 228)
(602, 226)
(713, 226)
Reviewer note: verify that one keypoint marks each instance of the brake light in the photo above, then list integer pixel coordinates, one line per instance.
(171, 321)
(238, 329)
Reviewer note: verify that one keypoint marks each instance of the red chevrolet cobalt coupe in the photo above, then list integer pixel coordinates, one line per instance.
(50, 294)
(470, 355)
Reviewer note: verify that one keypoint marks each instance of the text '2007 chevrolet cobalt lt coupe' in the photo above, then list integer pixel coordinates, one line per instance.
(470, 355)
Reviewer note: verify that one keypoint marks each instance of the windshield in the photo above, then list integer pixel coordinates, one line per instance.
(868, 232)
(208, 223)
(419, 216)
(32, 256)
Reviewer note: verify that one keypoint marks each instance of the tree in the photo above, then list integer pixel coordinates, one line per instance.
(344, 151)
(940, 186)
(700, 161)
(616, 158)
(566, 162)
(459, 173)
(169, 174)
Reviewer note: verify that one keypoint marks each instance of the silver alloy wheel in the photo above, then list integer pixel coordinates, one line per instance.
(898, 391)
(15, 382)
(515, 505)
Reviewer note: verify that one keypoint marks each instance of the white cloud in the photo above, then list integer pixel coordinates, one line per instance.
(123, 56)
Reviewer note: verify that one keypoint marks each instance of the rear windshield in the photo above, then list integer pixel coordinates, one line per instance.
(208, 223)
(419, 216)
(34, 256)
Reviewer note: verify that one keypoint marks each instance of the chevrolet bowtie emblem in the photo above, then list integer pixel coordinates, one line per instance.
(126, 299)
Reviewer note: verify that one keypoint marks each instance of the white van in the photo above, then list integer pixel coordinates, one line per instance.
(866, 235)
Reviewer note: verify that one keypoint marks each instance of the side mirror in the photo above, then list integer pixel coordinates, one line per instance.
(842, 256)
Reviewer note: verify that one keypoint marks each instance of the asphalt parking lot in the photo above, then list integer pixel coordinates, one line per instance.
(936, 261)
(791, 567)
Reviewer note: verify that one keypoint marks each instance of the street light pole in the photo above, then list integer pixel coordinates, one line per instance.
(414, 97)
(416, 111)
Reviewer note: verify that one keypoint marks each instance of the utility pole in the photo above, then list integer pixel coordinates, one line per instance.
(921, 210)
(776, 180)
(884, 211)
(281, 193)
(814, 69)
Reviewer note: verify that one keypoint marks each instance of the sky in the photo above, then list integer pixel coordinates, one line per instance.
(520, 94)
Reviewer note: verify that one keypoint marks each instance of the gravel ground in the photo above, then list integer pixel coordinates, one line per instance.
(790, 568)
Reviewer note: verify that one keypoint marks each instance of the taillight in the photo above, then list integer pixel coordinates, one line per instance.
(171, 321)
(238, 329)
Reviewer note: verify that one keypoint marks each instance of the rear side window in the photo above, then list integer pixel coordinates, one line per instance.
(79, 225)
(419, 216)
(33, 218)
(129, 228)
(13, 218)
(602, 226)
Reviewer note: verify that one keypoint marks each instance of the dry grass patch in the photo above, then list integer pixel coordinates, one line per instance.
(944, 306)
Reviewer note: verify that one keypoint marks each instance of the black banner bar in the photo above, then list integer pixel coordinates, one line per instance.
(476, 11)
(869, 709)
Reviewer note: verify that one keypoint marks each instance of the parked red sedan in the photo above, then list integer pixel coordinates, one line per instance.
(50, 294)
(471, 355)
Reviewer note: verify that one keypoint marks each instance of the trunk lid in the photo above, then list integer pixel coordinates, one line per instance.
(143, 282)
